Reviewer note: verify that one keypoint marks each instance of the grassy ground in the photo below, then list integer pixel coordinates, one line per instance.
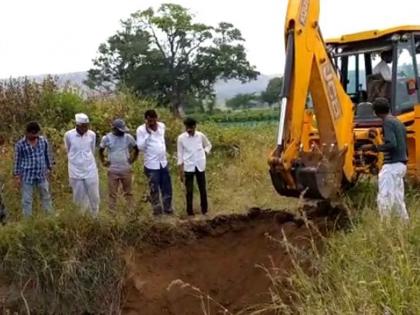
(70, 263)
(372, 268)
(54, 261)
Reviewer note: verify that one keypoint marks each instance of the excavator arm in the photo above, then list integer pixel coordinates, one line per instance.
(299, 166)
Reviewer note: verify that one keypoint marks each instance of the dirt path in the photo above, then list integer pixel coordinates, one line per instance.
(225, 259)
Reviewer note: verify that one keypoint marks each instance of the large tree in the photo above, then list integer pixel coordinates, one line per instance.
(169, 57)
(271, 95)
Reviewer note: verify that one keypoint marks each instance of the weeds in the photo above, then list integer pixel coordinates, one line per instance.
(69, 263)
(373, 269)
(208, 304)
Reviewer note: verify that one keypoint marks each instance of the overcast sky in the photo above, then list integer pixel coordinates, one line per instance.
(59, 36)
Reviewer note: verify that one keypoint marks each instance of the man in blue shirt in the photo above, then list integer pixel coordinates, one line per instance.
(32, 164)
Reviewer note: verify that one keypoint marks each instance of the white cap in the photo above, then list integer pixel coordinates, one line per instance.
(81, 118)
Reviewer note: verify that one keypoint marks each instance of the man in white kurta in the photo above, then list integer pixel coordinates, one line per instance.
(83, 172)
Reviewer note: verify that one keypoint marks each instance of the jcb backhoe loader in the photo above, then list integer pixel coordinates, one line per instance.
(326, 111)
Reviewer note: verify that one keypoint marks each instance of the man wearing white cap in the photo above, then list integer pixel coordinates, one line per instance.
(83, 172)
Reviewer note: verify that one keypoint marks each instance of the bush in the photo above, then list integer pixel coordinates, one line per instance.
(238, 116)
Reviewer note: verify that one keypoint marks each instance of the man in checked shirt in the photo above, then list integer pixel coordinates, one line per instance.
(32, 164)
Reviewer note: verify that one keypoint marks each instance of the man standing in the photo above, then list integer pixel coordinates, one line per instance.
(122, 152)
(32, 164)
(83, 172)
(391, 177)
(151, 140)
(192, 148)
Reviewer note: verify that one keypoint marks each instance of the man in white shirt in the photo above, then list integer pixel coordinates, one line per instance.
(382, 67)
(83, 173)
(192, 148)
(151, 141)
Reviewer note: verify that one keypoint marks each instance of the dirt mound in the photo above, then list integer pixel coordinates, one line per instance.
(220, 265)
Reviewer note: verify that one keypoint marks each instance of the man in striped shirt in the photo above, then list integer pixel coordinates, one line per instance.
(32, 164)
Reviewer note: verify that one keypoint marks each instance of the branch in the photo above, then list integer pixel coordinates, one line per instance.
(157, 40)
(171, 39)
(28, 311)
(193, 48)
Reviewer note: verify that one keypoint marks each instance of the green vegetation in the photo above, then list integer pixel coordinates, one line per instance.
(243, 101)
(370, 268)
(254, 115)
(270, 96)
(69, 263)
(272, 93)
(168, 57)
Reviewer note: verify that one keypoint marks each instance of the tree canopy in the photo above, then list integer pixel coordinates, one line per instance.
(272, 93)
(167, 56)
(239, 101)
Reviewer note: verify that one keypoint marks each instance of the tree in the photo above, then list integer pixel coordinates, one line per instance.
(242, 101)
(272, 93)
(165, 55)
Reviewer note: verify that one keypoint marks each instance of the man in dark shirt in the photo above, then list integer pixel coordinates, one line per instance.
(391, 176)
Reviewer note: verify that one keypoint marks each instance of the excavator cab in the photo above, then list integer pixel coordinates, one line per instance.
(380, 66)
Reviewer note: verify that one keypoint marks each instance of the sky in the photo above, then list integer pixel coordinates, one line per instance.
(62, 36)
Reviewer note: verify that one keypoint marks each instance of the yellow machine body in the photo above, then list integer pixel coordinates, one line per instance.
(326, 110)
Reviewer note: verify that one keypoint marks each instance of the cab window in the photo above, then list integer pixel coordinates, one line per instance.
(405, 83)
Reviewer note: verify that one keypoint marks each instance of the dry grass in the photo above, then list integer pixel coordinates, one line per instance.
(372, 268)
(69, 263)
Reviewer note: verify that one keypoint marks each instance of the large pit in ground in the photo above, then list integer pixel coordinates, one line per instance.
(225, 258)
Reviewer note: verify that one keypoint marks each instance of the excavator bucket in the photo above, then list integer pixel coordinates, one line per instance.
(316, 175)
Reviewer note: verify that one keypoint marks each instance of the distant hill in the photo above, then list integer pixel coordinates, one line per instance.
(224, 89)
(230, 88)
(74, 78)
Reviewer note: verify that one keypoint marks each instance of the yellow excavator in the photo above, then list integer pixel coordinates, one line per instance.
(326, 112)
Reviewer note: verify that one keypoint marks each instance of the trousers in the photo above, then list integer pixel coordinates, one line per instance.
(160, 184)
(86, 194)
(189, 187)
(115, 179)
(391, 190)
(27, 197)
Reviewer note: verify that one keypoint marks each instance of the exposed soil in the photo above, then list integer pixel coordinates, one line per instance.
(224, 258)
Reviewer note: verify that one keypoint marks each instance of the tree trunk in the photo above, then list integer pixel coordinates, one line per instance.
(178, 105)
(178, 109)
